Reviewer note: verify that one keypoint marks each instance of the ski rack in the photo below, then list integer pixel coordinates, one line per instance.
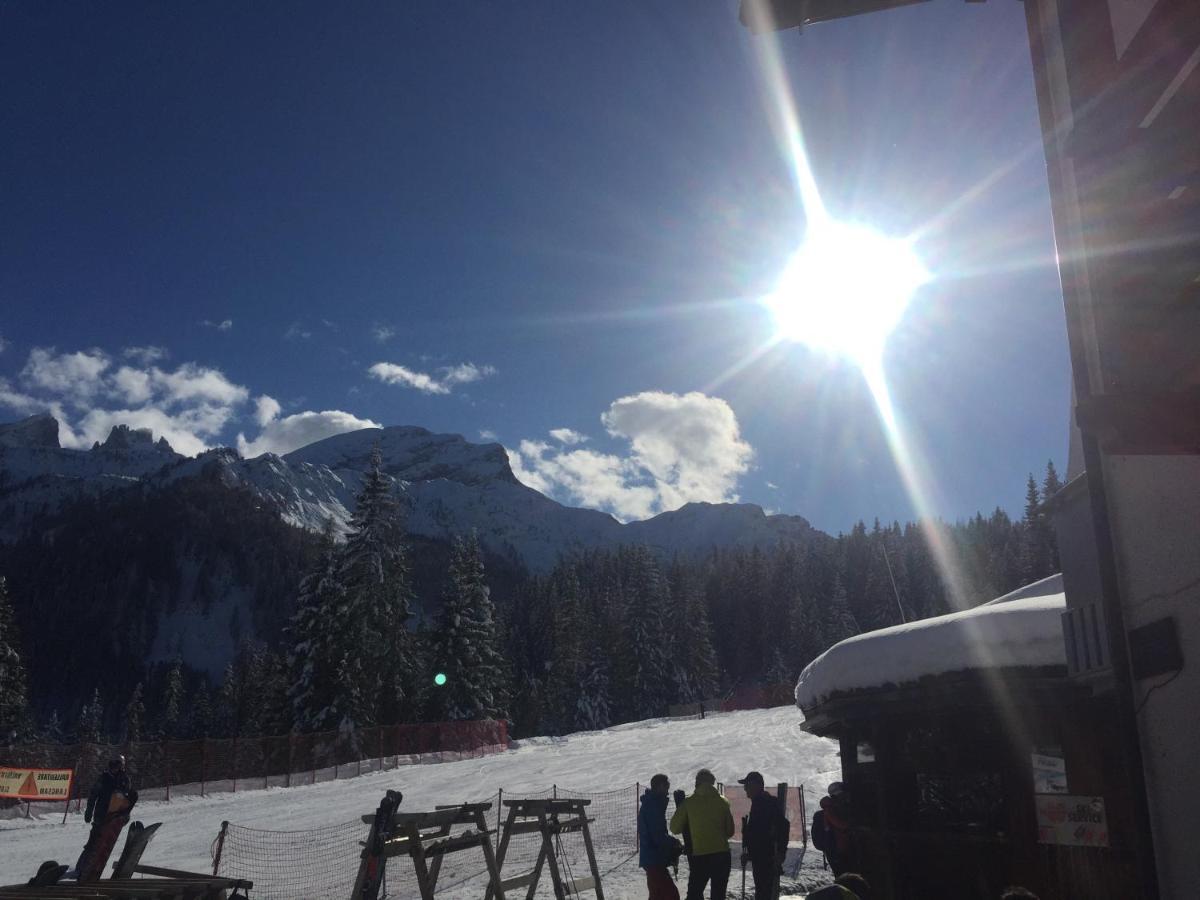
(426, 838)
(551, 817)
(164, 884)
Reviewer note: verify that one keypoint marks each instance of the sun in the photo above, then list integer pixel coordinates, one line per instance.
(845, 289)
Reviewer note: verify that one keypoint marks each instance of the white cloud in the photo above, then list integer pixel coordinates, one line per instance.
(191, 405)
(223, 325)
(682, 448)
(287, 434)
(567, 436)
(390, 373)
(383, 333)
(772, 485)
(464, 373)
(76, 377)
(296, 332)
(266, 409)
(486, 434)
(132, 385)
(145, 355)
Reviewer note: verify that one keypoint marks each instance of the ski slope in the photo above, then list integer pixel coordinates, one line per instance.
(731, 744)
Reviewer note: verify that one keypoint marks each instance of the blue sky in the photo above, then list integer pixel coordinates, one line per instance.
(511, 219)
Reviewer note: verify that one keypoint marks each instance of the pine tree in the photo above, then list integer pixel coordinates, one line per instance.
(693, 659)
(227, 718)
(1051, 485)
(648, 658)
(380, 674)
(1035, 550)
(172, 700)
(54, 733)
(135, 715)
(91, 720)
(14, 698)
(321, 634)
(593, 706)
(466, 649)
(201, 717)
(565, 673)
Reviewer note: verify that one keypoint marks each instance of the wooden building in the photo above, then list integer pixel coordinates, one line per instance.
(972, 761)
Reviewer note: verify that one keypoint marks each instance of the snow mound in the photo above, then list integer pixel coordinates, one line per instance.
(1018, 633)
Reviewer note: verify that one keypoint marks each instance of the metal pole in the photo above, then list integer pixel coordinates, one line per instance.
(895, 590)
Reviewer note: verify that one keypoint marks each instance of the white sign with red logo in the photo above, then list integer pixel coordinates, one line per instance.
(35, 784)
(1071, 821)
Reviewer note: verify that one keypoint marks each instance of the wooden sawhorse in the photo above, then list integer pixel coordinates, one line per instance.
(550, 817)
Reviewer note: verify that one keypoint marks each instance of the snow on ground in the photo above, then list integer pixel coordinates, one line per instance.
(731, 744)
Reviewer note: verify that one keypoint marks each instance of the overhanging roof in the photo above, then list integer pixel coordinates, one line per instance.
(798, 13)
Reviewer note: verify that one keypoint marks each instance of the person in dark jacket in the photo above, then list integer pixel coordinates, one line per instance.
(831, 829)
(657, 850)
(765, 837)
(111, 794)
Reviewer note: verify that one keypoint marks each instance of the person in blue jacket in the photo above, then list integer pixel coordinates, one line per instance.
(657, 850)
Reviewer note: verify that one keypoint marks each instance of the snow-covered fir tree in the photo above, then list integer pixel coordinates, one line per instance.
(565, 671)
(171, 704)
(649, 673)
(321, 636)
(14, 711)
(135, 716)
(593, 708)
(466, 647)
(91, 720)
(200, 714)
(373, 569)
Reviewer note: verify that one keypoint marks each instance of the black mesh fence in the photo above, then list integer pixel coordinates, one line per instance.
(160, 769)
(323, 862)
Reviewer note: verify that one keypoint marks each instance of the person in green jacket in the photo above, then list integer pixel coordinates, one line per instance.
(706, 817)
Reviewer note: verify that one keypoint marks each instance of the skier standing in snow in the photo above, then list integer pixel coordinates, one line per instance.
(111, 794)
(706, 816)
(765, 838)
(831, 828)
(656, 849)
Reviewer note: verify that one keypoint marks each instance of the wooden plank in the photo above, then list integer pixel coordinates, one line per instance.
(450, 845)
(517, 881)
(192, 876)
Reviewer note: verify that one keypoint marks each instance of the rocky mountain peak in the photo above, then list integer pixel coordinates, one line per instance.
(122, 437)
(411, 454)
(39, 431)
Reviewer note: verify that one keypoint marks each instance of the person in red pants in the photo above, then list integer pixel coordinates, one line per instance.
(657, 850)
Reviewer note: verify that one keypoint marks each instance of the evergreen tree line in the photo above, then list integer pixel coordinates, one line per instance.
(606, 637)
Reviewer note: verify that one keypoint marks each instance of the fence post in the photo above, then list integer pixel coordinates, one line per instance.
(235, 763)
(167, 763)
(291, 758)
(220, 846)
(379, 744)
(203, 755)
(637, 820)
(555, 788)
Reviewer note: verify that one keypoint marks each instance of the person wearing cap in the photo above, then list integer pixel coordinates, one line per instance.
(706, 816)
(831, 828)
(765, 837)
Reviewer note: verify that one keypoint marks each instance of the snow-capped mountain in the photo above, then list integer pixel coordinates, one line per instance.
(449, 486)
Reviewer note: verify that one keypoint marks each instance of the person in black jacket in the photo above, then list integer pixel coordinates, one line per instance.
(112, 793)
(765, 838)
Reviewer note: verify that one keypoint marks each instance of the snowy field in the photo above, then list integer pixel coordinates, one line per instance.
(767, 740)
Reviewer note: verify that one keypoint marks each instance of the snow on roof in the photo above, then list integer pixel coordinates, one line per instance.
(1026, 632)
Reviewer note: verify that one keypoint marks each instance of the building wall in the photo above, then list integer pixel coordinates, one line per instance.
(1155, 507)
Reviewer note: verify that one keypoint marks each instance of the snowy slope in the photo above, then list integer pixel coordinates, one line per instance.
(767, 740)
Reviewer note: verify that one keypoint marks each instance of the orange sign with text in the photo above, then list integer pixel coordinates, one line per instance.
(36, 784)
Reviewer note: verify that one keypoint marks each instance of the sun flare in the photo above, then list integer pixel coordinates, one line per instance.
(845, 289)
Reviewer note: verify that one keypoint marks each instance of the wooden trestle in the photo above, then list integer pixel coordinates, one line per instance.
(425, 838)
(550, 818)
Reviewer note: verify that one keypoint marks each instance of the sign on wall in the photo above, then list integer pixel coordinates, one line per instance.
(1049, 772)
(1071, 821)
(35, 784)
